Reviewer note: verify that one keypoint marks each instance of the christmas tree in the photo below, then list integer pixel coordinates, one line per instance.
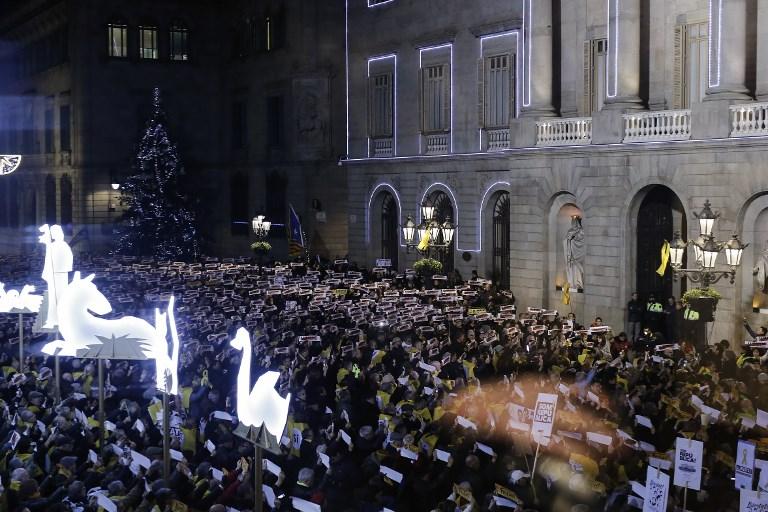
(159, 220)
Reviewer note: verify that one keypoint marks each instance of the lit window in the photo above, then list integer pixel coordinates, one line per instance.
(148, 42)
(179, 42)
(117, 39)
(436, 98)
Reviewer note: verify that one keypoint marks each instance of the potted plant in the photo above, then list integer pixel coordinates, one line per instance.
(261, 247)
(703, 301)
(427, 267)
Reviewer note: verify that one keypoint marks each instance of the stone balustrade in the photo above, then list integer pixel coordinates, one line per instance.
(437, 144)
(498, 139)
(382, 147)
(568, 131)
(749, 119)
(658, 125)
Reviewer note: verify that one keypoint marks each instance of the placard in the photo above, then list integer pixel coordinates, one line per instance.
(383, 262)
(752, 501)
(544, 416)
(744, 466)
(656, 491)
(688, 458)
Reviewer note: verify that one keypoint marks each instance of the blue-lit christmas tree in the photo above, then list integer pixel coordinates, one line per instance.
(159, 220)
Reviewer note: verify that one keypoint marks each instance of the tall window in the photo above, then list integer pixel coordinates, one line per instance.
(28, 130)
(239, 124)
(179, 42)
(65, 128)
(389, 229)
(501, 248)
(696, 62)
(595, 74)
(380, 111)
(148, 42)
(238, 206)
(443, 212)
(49, 128)
(117, 43)
(436, 98)
(274, 121)
(498, 82)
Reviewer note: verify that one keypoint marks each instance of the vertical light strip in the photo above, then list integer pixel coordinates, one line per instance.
(517, 70)
(394, 99)
(421, 92)
(399, 213)
(346, 62)
(613, 47)
(527, 55)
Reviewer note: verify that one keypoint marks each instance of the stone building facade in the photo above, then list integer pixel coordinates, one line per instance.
(517, 116)
(253, 94)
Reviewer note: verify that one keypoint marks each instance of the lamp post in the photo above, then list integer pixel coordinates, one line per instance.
(430, 235)
(260, 226)
(706, 250)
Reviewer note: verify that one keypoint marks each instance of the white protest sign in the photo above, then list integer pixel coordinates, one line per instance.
(656, 491)
(744, 464)
(544, 416)
(688, 458)
(753, 501)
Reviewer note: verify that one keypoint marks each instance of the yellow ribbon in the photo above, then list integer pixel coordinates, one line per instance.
(664, 259)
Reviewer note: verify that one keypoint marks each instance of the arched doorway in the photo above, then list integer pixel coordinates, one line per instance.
(444, 211)
(501, 225)
(389, 228)
(660, 214)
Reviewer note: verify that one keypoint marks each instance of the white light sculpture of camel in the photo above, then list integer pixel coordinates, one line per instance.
(262, 404)
(14, 301)
(86, 335)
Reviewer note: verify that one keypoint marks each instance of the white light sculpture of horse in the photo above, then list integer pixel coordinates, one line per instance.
(262, 404)
(14, 301)
(86, 335)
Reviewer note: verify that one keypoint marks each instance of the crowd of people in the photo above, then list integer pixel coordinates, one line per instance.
(407, 394)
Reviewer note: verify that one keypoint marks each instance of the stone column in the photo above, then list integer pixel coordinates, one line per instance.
(538, 72)
(728, 50)
(623, 55)
(762, 51)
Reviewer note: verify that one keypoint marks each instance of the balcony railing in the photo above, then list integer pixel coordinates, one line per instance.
(498, 139)
(382, 147)
(436, 144)
(657, 126)
(569, 131)
(749, 119)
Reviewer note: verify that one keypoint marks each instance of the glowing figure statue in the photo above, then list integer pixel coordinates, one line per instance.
(14, 301)
(262, 404)
(87, 335)
(58, 265)
(166, 368)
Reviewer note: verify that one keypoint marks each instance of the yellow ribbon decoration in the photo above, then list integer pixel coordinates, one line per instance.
(566, 298)
(424, 243)
(664, 259)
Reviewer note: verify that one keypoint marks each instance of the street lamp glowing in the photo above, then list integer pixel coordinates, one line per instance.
(409, 230)
(707, 219)
(676, 251)
(448, 231)
(733, 251)
(709, 252)
(427, 211)
(260, 226)
(115, 186)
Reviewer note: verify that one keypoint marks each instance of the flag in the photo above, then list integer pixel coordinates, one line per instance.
(295, 235)
(567, 293)
(664, 259)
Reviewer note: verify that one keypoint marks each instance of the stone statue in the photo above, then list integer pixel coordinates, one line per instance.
(575, 252)
(760, 272)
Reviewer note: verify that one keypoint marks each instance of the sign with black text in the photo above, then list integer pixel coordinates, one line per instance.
(656, 491)
(688, 458)
(544, 416)
(744, 464)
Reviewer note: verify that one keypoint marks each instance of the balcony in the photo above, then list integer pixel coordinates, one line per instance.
(498, 139)
(572, 131)
(381, 148)
(436, 144)
(658, 125)
(749, 119)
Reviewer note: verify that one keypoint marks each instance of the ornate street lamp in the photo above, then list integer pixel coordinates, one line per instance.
(409, 230)
(260, 226)
(440, 236)
(706, 251)
(427, 211)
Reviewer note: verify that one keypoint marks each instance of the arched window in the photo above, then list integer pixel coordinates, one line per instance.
(117, 39)
(238, 204)
(65, 196)
(50, 199)
(389, 229)
(179, 39)
(501, 220)
(443, 212)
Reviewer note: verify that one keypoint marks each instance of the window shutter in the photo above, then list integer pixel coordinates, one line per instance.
(371, 108)
(446, 97)
(588, 70)
(422, 102)
(512, 87)
(389, 107)
(481, 92)
(678, 68)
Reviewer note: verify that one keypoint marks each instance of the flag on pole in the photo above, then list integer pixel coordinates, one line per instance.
(566, 293)
(295, 234)
(664, 259)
